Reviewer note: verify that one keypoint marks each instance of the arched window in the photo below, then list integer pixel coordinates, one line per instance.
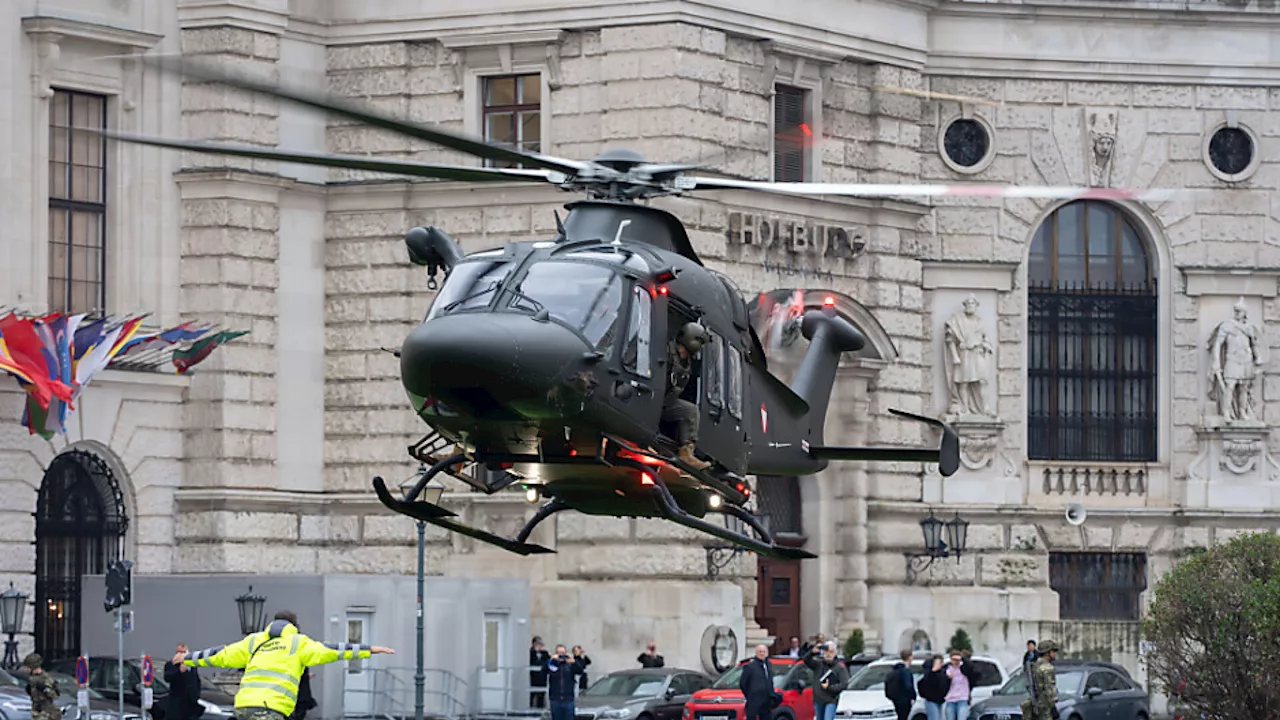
(1091, 345)
(80, 527)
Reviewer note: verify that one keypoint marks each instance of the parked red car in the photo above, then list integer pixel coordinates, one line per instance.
(723, 700)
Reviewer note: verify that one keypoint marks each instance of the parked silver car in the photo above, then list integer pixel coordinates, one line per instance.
(1087, 690)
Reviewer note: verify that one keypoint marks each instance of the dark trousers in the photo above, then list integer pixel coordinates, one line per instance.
(561, 710)
(758, 710)
(684, 415)
(538, 698)
(903, 709)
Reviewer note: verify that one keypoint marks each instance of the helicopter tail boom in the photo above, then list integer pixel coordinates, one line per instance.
(829, 335)
(947, 454)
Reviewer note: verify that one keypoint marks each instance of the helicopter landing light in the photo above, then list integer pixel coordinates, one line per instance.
(829, 301)
(646, 479)
(532, 494)
(715, 501)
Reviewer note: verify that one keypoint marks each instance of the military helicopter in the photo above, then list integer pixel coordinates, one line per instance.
(547, 361)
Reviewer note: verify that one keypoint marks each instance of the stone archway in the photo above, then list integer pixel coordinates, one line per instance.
(81, 521)
(828, 594)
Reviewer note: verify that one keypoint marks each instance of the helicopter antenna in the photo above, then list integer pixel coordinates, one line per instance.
(617, 238)
(559, 223)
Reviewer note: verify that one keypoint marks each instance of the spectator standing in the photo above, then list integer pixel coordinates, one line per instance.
(829, 678)
(583, 660)
(900, 687)
(650, 657)
(963, 677)
(562, 672)
(183, 702)
(538, 657)
(933, 686)
(756, 684)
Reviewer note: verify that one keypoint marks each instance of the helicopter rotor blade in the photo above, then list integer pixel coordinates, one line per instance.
(352, 162)
(353, 111)
(1154, 195)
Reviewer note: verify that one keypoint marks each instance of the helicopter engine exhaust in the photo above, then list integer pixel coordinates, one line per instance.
(829, 335)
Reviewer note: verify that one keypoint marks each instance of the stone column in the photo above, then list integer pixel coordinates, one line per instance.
(855, 377)
(229, 276)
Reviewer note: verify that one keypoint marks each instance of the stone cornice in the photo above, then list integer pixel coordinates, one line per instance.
(65, 27)
(1233, 282)
(201, 183)
(902, 24)
(247, 500)
(269, 16)
(980, 513)
(466, 40)
(968, 275)
(1131, 44)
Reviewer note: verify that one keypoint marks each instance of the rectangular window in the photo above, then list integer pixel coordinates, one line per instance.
(791, 130)
(77, 203)
(512, 112)
(636, 354)
(1098, 586)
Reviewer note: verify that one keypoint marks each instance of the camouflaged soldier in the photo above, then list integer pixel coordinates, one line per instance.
(42, 689)
(683, 413)
(1043, 701)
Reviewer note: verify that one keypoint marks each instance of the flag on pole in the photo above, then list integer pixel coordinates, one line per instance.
(184, 360)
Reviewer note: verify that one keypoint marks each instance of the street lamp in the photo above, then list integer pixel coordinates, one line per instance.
(430, 493)
(956, 532)
(13, 604)
(252, 612)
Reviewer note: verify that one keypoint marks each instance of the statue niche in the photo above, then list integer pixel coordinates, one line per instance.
(1236, 351)
(967, 361)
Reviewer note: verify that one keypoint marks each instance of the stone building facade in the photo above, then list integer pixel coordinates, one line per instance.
(1072, 343)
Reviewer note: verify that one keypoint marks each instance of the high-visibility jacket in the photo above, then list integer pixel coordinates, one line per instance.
(274, 661)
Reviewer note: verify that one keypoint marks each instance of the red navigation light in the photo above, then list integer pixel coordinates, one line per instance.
(646, 479)
(573, 452)
(740, 486)
(829, 301)
(662, 290)
(804, 127)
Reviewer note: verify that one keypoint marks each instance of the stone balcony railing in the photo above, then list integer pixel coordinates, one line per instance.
(1097, 484)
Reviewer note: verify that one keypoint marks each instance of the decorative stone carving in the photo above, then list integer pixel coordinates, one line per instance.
(980, 446)
(1102, 144)
(1234, 452)
(967, 361)
(1236, 351)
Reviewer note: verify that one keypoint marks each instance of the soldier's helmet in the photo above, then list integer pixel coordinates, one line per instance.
(1047, 647)
(693, 336)
(32, 661)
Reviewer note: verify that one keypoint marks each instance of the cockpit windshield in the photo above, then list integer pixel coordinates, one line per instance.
(471, 284)
(585, 297)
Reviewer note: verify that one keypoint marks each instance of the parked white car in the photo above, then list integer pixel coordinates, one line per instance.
(863, 698)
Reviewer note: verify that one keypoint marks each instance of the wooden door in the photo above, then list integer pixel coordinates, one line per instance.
(778, 601)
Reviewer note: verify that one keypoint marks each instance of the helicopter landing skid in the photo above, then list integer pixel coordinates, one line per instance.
(433, 514)
(671, 510)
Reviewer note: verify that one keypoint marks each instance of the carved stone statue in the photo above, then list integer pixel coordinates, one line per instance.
(1236, 351)
(1102, 144)
(967, 361)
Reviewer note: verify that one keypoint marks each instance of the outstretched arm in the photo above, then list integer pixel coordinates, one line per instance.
(228, 656)
(313, 652)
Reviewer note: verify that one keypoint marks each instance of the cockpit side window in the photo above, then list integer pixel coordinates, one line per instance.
(470, 285)
(636, 354)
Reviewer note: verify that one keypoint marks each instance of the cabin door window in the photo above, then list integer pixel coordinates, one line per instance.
(734, 375)
(713, 371)
(637, 354)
